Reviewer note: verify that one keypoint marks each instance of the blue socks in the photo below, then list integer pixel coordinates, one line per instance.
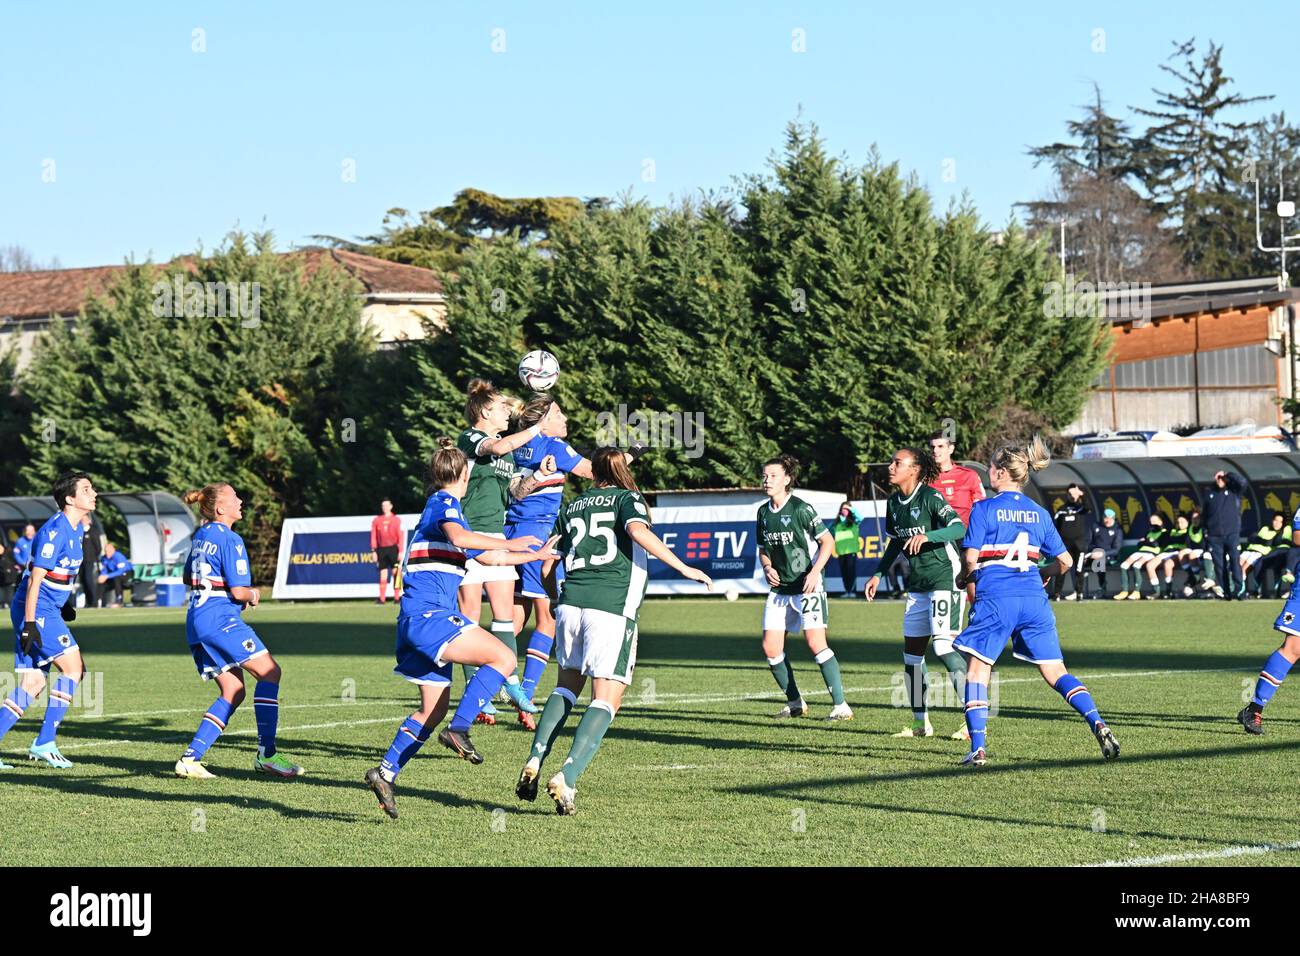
(483, 686)
(55, 708)
(1270, 679)
(410, 737)
(1077, 696)
(12, 709)
(210, 728)
(977, 713)
(266, 708)
(539, 654)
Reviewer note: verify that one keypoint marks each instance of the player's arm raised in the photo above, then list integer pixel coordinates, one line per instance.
(642, 535)
(508, 444)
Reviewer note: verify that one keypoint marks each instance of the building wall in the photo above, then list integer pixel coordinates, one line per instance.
(1134, 410)
(400, 322)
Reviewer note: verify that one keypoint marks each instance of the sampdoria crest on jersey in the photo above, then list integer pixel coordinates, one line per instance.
(457, 620)
(249, 645)
(1288, 617)
(65, 641)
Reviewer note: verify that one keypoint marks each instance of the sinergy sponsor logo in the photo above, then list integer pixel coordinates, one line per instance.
(76, 909)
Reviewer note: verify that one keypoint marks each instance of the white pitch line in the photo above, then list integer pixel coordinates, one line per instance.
(1226, 853)
(198, 710)
(652, 699)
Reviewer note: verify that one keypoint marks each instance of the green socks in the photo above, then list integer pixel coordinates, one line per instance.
(831, 674)
(917, 683)
(1123, 580)
(554, 714)
(504, 631)
(784, 675)
(956, 665)
(591, 731)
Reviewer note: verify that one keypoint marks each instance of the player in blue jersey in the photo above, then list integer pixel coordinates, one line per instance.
(432, 633)
(534, 514)
(41, 610)
(1280, 662)
(223, 646)
(1007, 535)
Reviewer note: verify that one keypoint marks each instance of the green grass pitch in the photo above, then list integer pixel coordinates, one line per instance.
(694, 770)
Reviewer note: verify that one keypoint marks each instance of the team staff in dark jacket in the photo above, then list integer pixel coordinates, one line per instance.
(1074, 523)
(1222, 515)
(1104, 546)
(9, 575)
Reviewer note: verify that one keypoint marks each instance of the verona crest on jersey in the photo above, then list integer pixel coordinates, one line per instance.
(57, 549)
(1011, 532)
(434, 566)
(789, 536)
(217, 562)
(542, 504)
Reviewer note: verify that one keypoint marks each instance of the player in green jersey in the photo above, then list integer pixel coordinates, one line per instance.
(605, 538)
(793, 547)
(492, 473)
(922, 525)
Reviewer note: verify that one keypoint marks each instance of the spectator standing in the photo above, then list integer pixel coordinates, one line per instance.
(1104, 546)
(89, 571)
(1074, 523)
(847, 545)
(114, 572)
(1223, 531)
(22, 550)
(386, 542)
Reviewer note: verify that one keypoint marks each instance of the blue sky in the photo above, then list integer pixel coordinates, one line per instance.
(157, 148)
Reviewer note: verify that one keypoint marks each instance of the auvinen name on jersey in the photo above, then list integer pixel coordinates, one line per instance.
(604, 568)
(788, 536)
(1016, 515)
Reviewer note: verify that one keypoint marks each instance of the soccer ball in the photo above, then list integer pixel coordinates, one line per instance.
(539, 370)
(732, 594)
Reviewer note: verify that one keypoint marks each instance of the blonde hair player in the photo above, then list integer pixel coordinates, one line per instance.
(793, 547)
(1007, 534)
(223, 646)
(493, 480)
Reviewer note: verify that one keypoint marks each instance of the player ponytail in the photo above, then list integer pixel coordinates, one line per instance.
(924, 459)
(481, 394)
(206, 498)
(1019, 460)
(446, 465)
(609, 467)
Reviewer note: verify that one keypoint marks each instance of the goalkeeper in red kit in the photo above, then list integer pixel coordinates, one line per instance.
(960, 486)
(386, 539)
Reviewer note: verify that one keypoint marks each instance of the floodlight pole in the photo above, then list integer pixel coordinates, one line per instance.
(1283, 248)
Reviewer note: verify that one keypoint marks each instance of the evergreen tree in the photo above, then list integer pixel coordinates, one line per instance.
(1192, 163)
